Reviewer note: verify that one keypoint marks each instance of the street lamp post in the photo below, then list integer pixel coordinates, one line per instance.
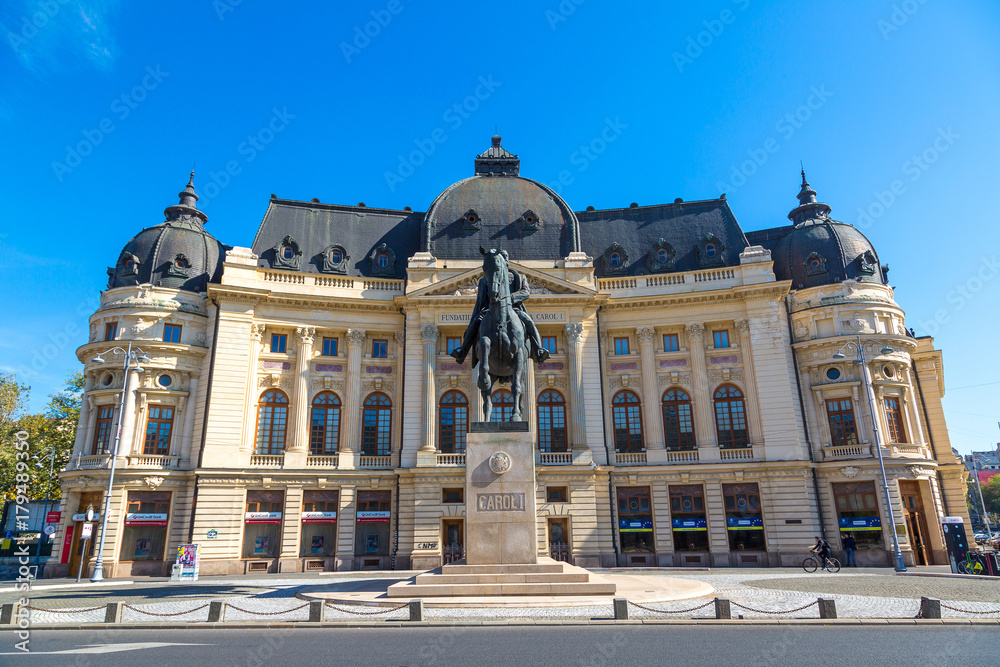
(131, 356)
(870, 395)
(45, 508)
(982, 502)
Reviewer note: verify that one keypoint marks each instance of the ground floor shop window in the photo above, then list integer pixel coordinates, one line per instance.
(635, 520)
(262, 524)
(145, 533)
(857, 513)
(371, 535)
(319, 523)
(687, 512)
(744, 522)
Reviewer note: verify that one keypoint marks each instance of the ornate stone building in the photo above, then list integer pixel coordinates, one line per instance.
(300, 410)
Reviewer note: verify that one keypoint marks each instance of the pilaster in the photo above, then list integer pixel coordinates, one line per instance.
(652, 422)
(427, 454)
(704, 427)
(578, 406)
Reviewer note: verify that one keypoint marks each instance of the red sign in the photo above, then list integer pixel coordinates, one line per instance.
(67, 545)
(53, 517)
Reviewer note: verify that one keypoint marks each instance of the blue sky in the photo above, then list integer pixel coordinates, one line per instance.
(892, 106)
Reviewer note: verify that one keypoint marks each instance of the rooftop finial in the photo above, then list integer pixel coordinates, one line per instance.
(808, 208)
(189, 196)
(188, 204)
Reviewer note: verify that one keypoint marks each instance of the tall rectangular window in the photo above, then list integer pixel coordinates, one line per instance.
(744, 522)
(159, 422)
(670, 343)
(329, 347)
(111, 331)
(171, 333)
(843, 430)
(380, 349)
(453, 344)
(858, 513)
(278, 342)
(102, 430)
(687, 513)
(721, 339)
(262, 524)
(621, 345)
(145, 533)
(894, 420)
(635, 519)
(319, 523)
(549, 343)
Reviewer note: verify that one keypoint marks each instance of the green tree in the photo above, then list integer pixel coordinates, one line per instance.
(55, 428)
(991, 495)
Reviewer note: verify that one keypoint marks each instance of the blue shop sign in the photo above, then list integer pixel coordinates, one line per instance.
(860, 523)
(690, 524)
(745, 523)
(635, 525)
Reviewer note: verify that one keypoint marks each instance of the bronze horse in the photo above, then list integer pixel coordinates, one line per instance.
(502, 347)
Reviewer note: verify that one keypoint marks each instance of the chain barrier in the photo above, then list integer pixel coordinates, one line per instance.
(178, 613)
(969, 611)
(266, 613)
(368, 613)
(671, 611)
(64, 611)
(761, 611)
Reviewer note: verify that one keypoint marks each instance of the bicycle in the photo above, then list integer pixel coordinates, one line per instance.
(811, 564)
(970, 565)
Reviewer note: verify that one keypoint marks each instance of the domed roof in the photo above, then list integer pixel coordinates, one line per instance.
(820, 250)
(176, 253)
(499, 207)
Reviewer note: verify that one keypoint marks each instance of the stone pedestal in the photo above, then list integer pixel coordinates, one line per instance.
(500, 495)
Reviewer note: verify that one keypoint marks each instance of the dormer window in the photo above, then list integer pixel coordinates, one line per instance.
(471, 221)
(615, 259)
(179, 266)
(182, 263)
(528, 222)
(287, 254)
(335, 259)
(815, 264)
(661, 257)
(382, 261)
(336, 256)
(710, 251)
(129, 264)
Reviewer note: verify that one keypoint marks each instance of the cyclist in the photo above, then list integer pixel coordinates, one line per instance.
(822, 549)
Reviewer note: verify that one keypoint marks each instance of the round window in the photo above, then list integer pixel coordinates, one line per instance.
(616, 259)
(164, 380)
(888, 371)
(107, 379)
(833, 373)
(287, 252)
(814, 263)
(336, 257)
(383, 260)
(129, 264)
(710, 250)
(472, 217)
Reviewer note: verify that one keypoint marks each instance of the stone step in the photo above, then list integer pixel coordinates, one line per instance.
(409, 590)
(534, 568)
(510, 578)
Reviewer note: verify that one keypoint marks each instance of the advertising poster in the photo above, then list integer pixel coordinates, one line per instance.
(317, 544)
(260, 544)
(141, 547)
(189, 560)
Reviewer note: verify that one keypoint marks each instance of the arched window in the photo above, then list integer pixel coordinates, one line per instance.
(503, 406)
(383, 260)
(628, 422)
(661, 255)
(894, 419)
(731, 418)
(324, 437)
(453, 422)
(376, 427)
(616, 259)
(551, 422)
(710, 250)
(678, 426)
(272, 419)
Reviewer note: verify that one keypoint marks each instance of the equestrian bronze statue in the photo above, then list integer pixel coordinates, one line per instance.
(501, 335)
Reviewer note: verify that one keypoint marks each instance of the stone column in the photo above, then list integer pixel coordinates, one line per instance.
(652, 422)
(128, 416)
(187, 441)
(296, 451)
(528, 390)
(475, 397)
(577, 405)
(253, 390)
(704, 428)
(350, 445)
(750, 384)
(80, 444)
(427, 454)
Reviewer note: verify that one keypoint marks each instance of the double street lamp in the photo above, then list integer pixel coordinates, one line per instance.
(860, 346)
(133, 356)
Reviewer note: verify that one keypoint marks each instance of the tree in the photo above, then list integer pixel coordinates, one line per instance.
(54, 428)
(991, 495)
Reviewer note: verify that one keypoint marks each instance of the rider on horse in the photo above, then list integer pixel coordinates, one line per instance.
(519, 292)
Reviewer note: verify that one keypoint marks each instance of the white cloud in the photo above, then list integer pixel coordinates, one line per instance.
(60, 36)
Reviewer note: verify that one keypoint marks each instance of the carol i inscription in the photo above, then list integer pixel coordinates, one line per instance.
(463, 318)
(500, 502)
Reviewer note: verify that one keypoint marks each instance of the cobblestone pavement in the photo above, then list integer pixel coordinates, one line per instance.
(858, 595)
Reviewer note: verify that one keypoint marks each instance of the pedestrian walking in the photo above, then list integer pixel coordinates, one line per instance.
(849, 546)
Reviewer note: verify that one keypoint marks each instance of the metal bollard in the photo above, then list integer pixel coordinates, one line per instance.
(621, 609)
(317, 611)
(930, 608)
(113, 612)
(8, 613)
(416, 610)
(217, 611)
(722, 609)
(827, 608)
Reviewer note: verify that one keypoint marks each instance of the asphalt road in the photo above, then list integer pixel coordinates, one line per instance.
(487, 646)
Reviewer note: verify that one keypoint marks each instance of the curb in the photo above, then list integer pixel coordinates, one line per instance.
(947, 575)
(513, 623)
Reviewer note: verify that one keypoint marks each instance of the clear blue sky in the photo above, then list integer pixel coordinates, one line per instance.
(691, 90)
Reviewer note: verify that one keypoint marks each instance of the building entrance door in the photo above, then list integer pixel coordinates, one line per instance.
(916, 521)
(453, 549)
(559, 539)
